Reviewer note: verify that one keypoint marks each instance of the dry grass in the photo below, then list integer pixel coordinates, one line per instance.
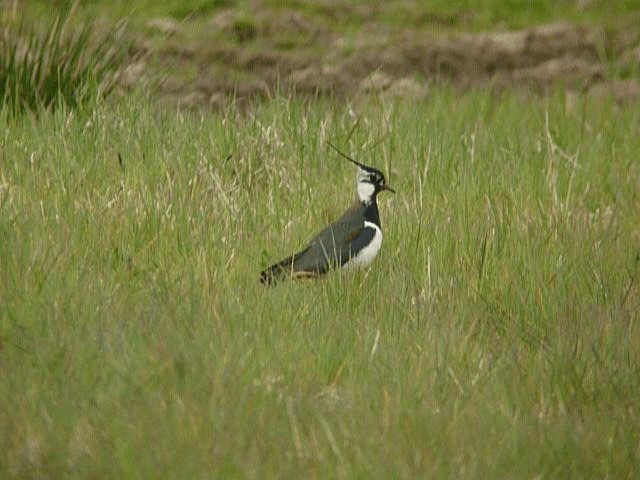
(496, 334)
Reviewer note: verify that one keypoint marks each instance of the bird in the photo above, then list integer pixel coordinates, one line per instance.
(351, 241)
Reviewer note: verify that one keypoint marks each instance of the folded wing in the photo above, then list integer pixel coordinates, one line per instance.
(331, 248)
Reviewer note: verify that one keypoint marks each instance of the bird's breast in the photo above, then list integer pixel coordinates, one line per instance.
(364, 256)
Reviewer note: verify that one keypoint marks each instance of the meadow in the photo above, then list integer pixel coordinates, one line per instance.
(496, 335)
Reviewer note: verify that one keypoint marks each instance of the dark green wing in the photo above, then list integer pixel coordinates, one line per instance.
(331, 246)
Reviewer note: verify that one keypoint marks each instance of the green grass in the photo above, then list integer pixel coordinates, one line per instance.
(57, 62)
(346, 15)
(137, 10)
(495, 336)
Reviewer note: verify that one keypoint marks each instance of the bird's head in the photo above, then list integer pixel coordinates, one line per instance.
(369, 182)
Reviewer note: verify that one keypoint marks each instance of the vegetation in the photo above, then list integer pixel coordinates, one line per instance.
(456, 14)
(46, 65)
(496, 335)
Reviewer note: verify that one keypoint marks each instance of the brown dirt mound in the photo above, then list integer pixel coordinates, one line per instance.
(536, 58)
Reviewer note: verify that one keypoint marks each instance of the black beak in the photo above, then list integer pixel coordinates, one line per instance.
(388, 189)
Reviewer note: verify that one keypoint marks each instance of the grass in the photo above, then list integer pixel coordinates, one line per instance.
(57, 62)
(341, 15)
(495, 336)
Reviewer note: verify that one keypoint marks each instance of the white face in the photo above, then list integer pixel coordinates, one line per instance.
(364, 187)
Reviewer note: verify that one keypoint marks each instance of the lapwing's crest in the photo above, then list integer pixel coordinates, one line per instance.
(352, 241)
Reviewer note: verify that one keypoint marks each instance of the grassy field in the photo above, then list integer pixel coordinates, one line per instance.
(496, 335)
(465, 14)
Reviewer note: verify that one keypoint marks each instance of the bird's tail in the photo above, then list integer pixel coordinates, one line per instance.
(277, 271)
(287, 267)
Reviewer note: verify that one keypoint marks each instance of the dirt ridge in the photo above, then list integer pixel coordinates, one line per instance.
(537, 58)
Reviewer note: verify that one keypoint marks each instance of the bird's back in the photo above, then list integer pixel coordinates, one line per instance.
(330, 247)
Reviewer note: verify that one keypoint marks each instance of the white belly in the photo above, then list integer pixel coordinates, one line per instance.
(367, 254)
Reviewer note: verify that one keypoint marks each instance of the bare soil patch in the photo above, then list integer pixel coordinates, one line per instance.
(292, 52)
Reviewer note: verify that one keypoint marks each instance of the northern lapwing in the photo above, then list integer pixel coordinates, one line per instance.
(351, 241)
